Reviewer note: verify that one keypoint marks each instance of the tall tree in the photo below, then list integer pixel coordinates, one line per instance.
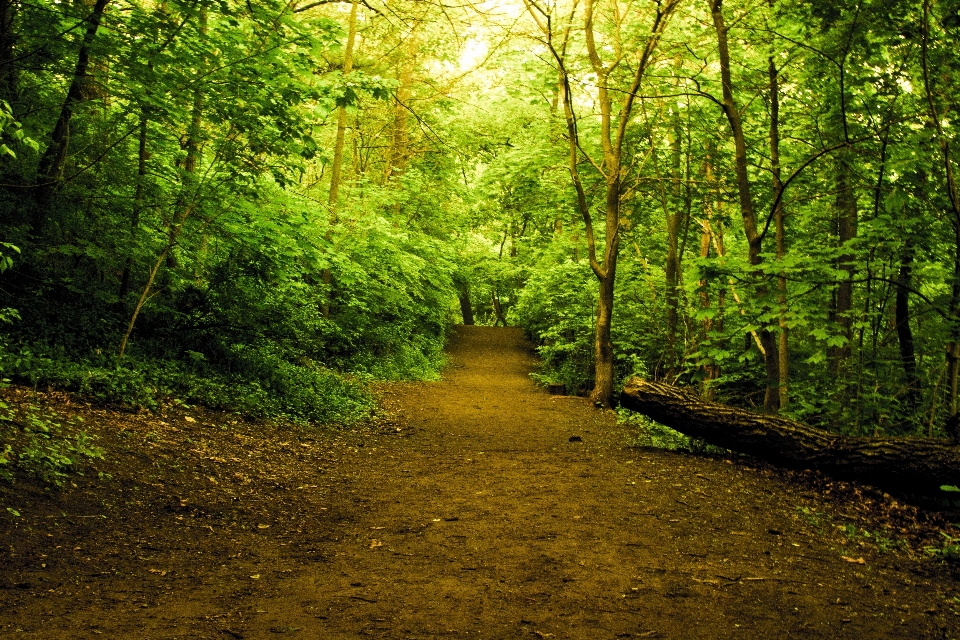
(50, 168)
(731, 109)
(938, 105)
(615, 104)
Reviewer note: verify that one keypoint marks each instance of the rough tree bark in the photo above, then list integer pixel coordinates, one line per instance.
(466, 307)
(919, 465)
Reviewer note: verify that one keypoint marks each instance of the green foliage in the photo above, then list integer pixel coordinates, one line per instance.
(653, 434)
(948, 550)
(183, 208)
(390, 309)
(7, 458)
(12, 131)
(40, 444)
(816, 519)
(264, 386)
(556, 309)
(879, 540)
(7, 315)
(192, 205)
(850, 533)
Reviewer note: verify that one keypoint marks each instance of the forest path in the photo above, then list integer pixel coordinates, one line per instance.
(463, 511)
(486, 521)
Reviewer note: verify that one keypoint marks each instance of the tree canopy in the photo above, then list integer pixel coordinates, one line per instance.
(261, 206)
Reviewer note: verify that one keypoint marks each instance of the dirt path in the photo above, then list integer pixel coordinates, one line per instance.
(480, 507)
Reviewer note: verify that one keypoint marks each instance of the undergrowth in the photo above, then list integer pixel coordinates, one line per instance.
(40, 444)
(649, 433)
(267, 388)
(849, 534)
(947, 550)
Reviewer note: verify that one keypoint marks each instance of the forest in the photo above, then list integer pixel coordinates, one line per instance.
(264, 206)
(479, 318)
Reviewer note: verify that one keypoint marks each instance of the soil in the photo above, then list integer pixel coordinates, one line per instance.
(477, 506)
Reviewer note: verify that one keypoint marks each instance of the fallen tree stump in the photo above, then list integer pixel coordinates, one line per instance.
(919, 465)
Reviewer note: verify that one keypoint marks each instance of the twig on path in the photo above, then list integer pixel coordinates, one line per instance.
(362, 599)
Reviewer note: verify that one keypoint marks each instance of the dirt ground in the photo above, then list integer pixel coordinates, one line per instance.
(478, 506)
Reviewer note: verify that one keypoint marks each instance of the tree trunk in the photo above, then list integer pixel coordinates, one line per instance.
(953, 194)
(672, 278)
(771, 400)
(326, 276)
(783, 350)
(715, 237)
(50, 168)
(846, 228)
(337, 162)
(604, 378)
(897, 464)
(395, 162)
(186, 201)
(497, 309)
(904, 334)
(137, 204)
(671, 267)
(466, 307)
(188, 188)
(613, 132)
(674, 219)
(8, 73)
(703, 283)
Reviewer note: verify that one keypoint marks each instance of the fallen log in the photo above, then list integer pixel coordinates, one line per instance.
(914, 465)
